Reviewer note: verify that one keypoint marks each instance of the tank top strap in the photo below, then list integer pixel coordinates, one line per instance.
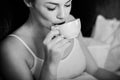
(23, 42)
(37, 61)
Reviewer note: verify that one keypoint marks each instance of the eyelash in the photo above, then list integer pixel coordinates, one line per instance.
(68, 5)
(52, 9)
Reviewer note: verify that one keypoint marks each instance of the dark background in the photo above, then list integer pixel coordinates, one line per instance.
(13, 13)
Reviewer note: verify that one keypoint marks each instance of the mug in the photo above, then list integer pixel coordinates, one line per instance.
(70, 29)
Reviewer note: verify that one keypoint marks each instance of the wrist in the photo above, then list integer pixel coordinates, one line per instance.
(48, 72)
(51, 67)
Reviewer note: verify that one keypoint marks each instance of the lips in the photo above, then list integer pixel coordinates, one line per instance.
(60, 23)
(56, 24)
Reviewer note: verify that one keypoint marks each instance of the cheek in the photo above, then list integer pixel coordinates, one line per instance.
(50, 16)
(67, 12)
(42, 13)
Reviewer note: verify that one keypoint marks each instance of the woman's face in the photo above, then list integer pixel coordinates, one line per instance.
(51, 12)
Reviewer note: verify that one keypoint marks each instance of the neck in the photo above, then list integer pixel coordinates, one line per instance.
(36, 27)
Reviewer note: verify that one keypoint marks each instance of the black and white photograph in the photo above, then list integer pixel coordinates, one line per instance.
(59, 40)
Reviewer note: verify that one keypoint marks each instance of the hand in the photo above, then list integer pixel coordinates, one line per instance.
(55, 46)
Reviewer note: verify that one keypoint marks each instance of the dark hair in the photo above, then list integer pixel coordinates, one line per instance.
(12, 17)
(5, 19)
(30, 1)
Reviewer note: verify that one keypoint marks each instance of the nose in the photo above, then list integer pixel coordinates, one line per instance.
(61, 14)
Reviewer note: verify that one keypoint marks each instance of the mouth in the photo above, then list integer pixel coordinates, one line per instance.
(56, 24)
(59, 23)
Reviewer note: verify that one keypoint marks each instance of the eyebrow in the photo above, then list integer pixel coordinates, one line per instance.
(69, 1)
(56, 3)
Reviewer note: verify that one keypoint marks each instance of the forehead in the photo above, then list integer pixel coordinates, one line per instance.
(53, 1)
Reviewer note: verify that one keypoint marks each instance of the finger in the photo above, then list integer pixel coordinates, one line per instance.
(65, 46)
(62, 45)
(62, 42)
(56, 40)
(50, 36)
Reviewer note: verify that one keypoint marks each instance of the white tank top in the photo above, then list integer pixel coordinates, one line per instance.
(37, 61)
(72, 66)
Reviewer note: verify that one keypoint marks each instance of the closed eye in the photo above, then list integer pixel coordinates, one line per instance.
(68, 5)
(51, 9)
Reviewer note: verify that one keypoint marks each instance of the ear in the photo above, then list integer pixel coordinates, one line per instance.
(28, 3)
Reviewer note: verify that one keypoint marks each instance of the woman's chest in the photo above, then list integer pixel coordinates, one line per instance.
(74, 64)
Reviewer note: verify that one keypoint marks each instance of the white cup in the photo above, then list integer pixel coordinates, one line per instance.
(69, 30)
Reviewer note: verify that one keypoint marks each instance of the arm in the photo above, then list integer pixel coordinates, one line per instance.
(54, 46)
(14, 66)
(49, 72)
(93, 69)
(102, 74)
(112, 65)
(12, 62)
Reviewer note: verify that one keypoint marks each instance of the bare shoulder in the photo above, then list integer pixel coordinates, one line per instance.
(11, 51)
(11, 46)
(13, 60)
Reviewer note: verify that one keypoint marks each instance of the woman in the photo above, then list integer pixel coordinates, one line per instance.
(23, 51)
(34, 51)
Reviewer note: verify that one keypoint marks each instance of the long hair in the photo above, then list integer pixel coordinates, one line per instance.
(5, 18)
(13, 14)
